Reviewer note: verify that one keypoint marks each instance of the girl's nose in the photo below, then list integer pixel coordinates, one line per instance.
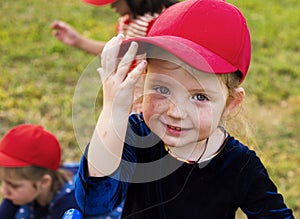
(176, 111)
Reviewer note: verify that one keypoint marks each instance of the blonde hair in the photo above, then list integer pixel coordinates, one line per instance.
(35, 173)
(237, 122)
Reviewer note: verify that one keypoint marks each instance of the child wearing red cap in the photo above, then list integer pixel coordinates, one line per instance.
(176, 159)
(34, 185)
(136, 19)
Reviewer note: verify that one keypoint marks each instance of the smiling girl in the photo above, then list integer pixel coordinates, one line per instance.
(176, 160)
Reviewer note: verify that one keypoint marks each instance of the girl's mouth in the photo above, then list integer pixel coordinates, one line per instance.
(174, 130)
(173, 127)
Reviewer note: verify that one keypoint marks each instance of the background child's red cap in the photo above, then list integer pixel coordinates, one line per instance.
(28, 145)
(99, 2)
(213, 32)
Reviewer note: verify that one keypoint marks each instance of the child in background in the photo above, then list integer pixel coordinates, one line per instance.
(176, 159)
(33, 184)
(136, 18)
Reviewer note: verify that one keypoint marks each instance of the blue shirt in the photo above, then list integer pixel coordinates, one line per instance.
(235, 178)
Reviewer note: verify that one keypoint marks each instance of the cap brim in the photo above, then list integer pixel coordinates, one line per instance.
(189, 52)
(8, 161)
(99, 2)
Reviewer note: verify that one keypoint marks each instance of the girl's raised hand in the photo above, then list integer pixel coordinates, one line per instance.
(117, 79)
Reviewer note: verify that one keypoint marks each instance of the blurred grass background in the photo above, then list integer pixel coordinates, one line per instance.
(39, 76)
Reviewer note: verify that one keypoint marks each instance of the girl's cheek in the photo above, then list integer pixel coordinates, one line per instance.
(154, 103)
(151, 108)
(148, 105)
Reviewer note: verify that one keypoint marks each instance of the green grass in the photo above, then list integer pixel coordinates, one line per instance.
(39, 76)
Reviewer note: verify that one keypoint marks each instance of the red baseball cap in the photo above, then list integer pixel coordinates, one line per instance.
(213, 32)
(28, 145)
(99, 2)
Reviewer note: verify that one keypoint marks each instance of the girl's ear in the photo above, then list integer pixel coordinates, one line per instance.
(46, 181)
(234, 100)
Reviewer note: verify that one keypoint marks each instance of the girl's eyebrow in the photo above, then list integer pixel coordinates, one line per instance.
(202, 90)
(158, 79)
(12, 183)
(168, 82)
(198, 90)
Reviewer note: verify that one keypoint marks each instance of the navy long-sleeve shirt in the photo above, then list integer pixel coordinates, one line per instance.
(235, 178)
(9, 211)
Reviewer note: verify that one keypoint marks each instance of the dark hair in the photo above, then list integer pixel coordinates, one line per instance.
(145, 6)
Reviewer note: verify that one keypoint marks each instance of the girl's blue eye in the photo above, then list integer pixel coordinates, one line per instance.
(200, 97)
(162, 90)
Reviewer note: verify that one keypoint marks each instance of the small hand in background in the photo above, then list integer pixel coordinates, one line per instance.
(65, 33)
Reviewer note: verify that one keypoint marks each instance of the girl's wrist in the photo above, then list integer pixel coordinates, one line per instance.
(80, 41)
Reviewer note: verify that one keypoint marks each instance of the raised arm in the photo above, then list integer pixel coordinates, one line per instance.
(69, 36)
(106, 145)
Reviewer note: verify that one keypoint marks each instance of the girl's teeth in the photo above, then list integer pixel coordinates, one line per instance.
(176, 128)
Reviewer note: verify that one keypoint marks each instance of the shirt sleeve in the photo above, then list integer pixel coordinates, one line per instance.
(8, 209)
(100, 195)
(62, 205)
(261, 200)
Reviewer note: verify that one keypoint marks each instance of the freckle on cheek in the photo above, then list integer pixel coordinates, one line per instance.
(159, 105)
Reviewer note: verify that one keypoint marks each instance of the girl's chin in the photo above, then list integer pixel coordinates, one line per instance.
(16, 202)
(169, 141)
(175, 143)
(172, 143)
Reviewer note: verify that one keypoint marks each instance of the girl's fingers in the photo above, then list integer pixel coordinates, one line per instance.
(126, 61)
(109, 55)
(117, 72)
(133, 77)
